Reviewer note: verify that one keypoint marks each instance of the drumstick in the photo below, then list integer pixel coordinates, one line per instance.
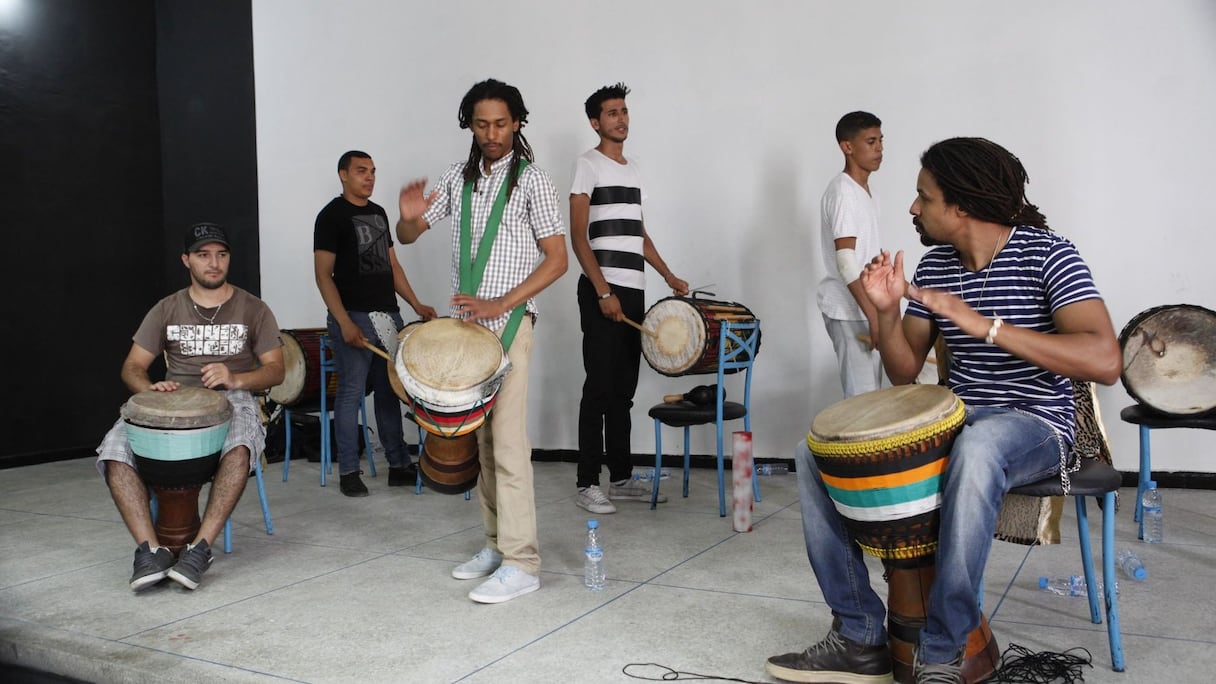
(648, 332)
(378, 351)
(672, 398)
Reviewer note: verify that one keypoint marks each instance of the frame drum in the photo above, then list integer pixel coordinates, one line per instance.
(1169, 359)
(686, 334)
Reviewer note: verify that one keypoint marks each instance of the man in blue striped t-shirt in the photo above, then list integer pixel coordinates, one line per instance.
(1020, 314)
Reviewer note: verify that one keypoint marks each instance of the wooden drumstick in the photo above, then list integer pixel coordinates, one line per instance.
(634, 324)
(672, 398)
(378, 351)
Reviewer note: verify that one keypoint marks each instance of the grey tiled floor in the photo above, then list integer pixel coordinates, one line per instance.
(358, 590)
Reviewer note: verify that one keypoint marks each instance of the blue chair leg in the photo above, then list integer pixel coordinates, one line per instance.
(262, 497)
(1087, 561)
(287, 454)
(418, 477)
(1146, 469)
(228, 535)
(367, 439)
(658, 463)
(721, 475)
(687, 461)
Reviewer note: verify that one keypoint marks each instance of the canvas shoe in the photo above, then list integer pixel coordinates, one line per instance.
(835, 659)
(485, 562)
(506, 583)
(593, 499)
(150, 566)
(191, 565)
(632, 490)
(938, 673)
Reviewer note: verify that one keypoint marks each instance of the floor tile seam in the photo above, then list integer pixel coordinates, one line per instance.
(1084, 625)
(65, 572)
(65, 516)
(548, 633)
(664, 585)
(197, 659)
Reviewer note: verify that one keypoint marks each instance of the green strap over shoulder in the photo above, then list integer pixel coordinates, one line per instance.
(472, 269)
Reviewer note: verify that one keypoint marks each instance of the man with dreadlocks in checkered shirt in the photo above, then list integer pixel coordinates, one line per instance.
(507, 211)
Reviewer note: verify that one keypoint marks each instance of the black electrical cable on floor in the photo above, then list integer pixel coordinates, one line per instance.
(670, 675)
(1021, 666)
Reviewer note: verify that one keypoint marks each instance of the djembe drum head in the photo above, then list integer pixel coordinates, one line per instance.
(1169, 359)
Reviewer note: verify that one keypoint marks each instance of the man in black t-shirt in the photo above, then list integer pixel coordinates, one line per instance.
(357, 273)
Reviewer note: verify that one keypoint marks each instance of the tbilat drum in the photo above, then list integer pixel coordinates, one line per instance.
(177, 438)
(1169, 359)
(684, 334)
(881, 456)
(450, 465)
(302, 351)
(450, 372)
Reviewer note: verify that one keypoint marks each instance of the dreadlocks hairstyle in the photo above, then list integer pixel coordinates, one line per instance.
(983, 179)
(595, 104)
(491, 89)
(853, 123)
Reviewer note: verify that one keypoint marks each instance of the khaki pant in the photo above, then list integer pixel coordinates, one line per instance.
(508, 502)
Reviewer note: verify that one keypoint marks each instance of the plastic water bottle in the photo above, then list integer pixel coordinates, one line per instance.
(1130, 565)
(1073, 585)
(647, 474)
(772, 469)
(1150, 515)
(593, 565)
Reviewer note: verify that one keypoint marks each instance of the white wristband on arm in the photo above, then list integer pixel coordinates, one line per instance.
(846, 263)
(996, 327)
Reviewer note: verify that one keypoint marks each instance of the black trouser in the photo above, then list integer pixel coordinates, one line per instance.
(611, 355)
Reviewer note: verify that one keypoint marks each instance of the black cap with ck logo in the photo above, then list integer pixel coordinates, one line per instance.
(204, 233)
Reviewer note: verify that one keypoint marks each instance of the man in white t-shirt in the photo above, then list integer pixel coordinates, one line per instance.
(849, 239)
(612, 246)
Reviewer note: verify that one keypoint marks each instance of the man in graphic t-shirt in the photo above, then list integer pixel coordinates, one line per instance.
(358, 273)
(612, 246)
(214, 335)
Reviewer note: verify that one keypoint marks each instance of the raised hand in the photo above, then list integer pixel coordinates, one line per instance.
(883, 281)
(412, 201)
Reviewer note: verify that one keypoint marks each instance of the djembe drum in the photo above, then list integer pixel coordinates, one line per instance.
(683, 334)
(881, 455)
(177, 438)
(450, 372)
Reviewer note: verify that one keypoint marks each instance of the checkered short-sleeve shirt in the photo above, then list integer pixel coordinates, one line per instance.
(530, 215)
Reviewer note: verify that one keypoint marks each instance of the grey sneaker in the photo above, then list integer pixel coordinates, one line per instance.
(938, 673)
(632, 490)
(485, 562)
(835, 659)
(593, 499)
(150, 566)
(191, 565)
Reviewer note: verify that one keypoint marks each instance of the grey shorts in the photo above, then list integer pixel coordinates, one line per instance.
(245, 430)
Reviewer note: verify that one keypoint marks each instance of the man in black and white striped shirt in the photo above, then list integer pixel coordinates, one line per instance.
(613, 248)
(499, 195)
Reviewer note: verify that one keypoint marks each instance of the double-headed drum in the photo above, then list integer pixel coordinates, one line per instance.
(1169, 359)
(302, 354)
(450, 372)
(177, 438)
(685, 333)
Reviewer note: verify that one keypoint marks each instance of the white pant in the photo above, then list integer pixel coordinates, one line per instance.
(860, 368)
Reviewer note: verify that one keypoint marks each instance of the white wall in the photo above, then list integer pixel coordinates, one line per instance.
(1108, 104)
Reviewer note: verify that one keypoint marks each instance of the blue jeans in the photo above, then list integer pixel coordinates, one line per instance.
(357, 370)
(998, 449)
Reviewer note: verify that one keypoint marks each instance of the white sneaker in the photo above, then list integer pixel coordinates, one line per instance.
(632, 490)
(593, 499)
(485, 562)
(506, 583)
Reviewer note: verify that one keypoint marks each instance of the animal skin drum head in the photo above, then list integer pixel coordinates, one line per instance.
(679, 335)
(1169, 359)
(185, 407)
(884, 412)
(451, 355)
(393, 378)
(294, 373)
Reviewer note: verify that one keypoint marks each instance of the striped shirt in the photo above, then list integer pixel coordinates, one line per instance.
(530, 215)
(1035, 274)
(614, 224)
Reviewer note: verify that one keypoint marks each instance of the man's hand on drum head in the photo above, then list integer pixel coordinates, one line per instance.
(883, 281)
(470, 308)
(164, 386)
(217, 376)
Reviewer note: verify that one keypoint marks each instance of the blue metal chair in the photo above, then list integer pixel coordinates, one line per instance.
(257, 469)
(328, 366)
(737, 347)
(1149, 420)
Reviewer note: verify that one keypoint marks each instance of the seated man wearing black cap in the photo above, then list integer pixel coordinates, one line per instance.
(213, 335)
